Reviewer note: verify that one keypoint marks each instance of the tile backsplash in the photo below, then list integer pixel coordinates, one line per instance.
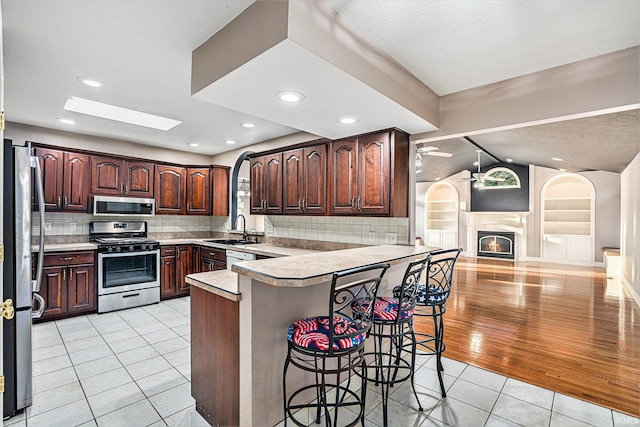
(74, 227)
(358, 230)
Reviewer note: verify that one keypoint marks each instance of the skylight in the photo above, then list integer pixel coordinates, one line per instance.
(125, 115)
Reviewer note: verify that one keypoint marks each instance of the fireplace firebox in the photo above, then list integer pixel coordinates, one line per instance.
(496, 244)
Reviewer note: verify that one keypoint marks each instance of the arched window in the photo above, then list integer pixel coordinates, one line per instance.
(501, 178)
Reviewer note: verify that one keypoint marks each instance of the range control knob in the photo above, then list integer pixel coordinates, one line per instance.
(110, 249)
(131, 248)
(118, 249)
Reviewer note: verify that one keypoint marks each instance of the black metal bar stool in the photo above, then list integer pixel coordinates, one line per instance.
(431, 301)
(393, 336)
(332, 346)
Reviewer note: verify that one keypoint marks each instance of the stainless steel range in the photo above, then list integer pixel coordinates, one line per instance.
(128, 265)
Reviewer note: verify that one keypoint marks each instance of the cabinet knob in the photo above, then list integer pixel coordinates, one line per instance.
(71, 274)
(304, 204)
(64, 274)
(66, 202)
(358, 202)
(59, 204)
(353, 204)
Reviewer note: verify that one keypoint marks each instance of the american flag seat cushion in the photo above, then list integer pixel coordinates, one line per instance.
(434, 296)
(313, 333)
(386, 308)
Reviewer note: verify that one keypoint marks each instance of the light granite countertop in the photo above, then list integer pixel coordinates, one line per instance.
(66, 247)
(222, 282)
(311, 269)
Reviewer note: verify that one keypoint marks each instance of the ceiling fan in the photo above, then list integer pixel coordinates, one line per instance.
(479, 178)
(422, 150)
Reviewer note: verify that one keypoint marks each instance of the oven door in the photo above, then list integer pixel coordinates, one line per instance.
(122, 272)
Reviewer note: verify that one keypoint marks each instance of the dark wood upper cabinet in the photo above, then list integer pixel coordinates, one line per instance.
(370, 175)
(112, 176)
(198, 191)
(65, 178)
(344, 167)
(373, 174)
(266, 184)
(170, 182)
(305, 180)
(220, 190)
(107, 175)
(138, 180)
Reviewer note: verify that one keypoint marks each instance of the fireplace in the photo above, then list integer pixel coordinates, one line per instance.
(496, 244)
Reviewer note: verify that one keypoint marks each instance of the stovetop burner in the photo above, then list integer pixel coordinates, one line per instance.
(121, 236)
(123, 241)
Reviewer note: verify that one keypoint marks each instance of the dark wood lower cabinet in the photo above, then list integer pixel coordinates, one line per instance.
(215, 356)
(69, 285)
(176, 262)
(212, 259)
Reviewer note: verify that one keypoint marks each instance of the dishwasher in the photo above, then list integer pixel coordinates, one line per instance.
(234, 257)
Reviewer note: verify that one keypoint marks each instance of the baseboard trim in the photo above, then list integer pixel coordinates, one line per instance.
(632, 291)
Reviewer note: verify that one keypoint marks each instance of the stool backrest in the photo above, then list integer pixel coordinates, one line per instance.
(440, 275)
(407, 291)
(349, 289)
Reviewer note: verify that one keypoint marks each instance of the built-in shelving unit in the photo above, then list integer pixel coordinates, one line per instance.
(442, 216)
(568, 218)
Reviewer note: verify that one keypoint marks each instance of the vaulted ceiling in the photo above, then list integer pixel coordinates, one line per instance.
(141, 51)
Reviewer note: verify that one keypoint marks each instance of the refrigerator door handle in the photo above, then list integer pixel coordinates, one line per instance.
(37, 298)
(35, 163)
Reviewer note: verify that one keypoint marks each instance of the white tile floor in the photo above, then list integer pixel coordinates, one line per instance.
(132, 368)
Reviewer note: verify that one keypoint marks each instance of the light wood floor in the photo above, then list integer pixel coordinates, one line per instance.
(564, 328)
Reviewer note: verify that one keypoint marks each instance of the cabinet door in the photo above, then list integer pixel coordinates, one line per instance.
(373, 175)
(292, 181)
(198, 191)
(579, 248)
(138, 179)
(81, 288)
(553, 246)
(184, 266)
(167, 276)
(343, 176)
(273, 184)
(107, 176)
(54, 290)
(75, 193)
(315, 180)
(170, 187)
(257, 183)
(220, 190)
(51, 165)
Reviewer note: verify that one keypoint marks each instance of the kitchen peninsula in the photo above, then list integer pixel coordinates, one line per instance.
(239, 322)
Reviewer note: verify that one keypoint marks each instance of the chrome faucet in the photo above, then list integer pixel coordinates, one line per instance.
(245, 235)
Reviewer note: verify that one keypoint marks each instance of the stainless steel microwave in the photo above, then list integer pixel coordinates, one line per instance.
(123, 206)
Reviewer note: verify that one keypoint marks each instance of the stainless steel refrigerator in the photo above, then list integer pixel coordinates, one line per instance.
(19, 169)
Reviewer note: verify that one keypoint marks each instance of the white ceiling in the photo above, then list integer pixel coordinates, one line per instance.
(141, 51)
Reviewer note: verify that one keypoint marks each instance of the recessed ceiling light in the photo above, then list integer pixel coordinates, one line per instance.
(90, 82)
(248, 125)
(125, 115)
(419, 170)
(290, 96)
(67, 121)
(438, 179)
(229, 141)
(475, 163)
(194, 144)
(509, 160)
(557, 159)
(562, 170)
(347, 120)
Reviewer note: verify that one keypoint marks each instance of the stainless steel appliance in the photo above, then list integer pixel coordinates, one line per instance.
(128, 265)
(123, 206)
(17, 269)
(234, 257)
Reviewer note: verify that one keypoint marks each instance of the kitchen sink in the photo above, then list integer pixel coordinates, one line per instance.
(230, 241)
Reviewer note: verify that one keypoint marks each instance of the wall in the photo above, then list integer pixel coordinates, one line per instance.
(463, 188)
(630, 227)
(607, 209)
(20, 133)
(505, 199)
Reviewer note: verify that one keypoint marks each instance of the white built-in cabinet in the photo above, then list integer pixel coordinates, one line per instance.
(568, 202)
(441, 216)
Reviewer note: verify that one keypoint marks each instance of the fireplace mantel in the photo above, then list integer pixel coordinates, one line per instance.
(515, 222)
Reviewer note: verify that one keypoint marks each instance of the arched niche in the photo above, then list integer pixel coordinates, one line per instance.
(441, 215)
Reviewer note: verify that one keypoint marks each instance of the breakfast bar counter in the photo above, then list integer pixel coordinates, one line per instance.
(239, 335)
